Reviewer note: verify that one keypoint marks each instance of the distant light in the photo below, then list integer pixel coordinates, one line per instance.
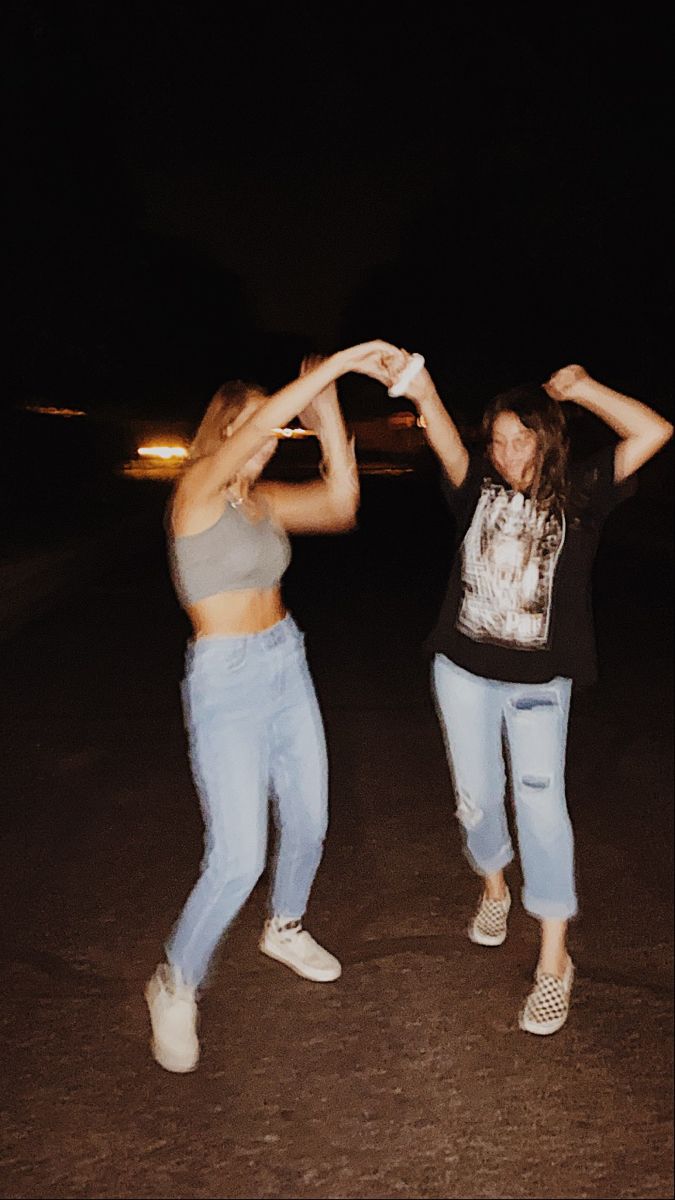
(402, 420)
(50, 410)
(163, 452)
(293, 431)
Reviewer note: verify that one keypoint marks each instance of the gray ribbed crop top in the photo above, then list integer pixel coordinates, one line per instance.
(231, 555)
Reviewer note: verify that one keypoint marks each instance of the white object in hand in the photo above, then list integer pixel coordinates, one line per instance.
(407, 375)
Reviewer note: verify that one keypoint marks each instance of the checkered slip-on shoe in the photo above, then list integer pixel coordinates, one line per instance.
(488, 927)
(548, 1004)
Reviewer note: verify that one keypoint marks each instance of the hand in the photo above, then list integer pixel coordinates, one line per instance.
(421, 387)
(380, 360)
(564, 384)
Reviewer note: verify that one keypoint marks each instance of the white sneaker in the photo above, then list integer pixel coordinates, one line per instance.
(548, 1004)
(173, 1016)
(287, 942)
(488, 927)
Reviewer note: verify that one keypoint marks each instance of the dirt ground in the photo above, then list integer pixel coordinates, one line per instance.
(408, 1077)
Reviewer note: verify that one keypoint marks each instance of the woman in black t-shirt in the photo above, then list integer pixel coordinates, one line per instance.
(514, 633)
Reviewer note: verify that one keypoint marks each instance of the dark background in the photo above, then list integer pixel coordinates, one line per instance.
(201, 190)
(195, 191)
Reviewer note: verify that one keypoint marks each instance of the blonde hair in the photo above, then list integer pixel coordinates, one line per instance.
(224, 407)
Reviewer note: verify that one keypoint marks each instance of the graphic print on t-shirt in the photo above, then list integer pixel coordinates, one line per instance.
(509, 557)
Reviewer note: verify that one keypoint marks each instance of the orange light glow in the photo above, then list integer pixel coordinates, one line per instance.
(50, 410)
(402, 420)
(163, 452)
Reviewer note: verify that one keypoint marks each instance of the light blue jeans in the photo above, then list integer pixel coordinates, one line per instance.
(481, 717)
(255, 730)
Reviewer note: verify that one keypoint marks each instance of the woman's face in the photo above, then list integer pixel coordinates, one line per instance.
(513, 450)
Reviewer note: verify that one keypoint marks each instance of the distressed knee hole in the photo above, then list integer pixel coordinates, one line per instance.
(538, 783)
(527, 703)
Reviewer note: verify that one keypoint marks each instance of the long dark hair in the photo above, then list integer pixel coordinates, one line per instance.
(544, 416)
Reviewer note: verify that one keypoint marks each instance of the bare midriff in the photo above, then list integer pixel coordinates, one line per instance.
(235, 614)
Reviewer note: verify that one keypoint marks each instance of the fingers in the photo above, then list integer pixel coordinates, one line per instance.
(380, 360)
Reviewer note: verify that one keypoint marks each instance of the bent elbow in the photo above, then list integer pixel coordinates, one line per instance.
(660, 437)
(344, 514)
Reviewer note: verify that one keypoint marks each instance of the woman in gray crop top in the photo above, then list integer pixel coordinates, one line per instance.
(252, 716)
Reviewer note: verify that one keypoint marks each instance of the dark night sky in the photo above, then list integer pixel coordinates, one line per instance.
(195, 192)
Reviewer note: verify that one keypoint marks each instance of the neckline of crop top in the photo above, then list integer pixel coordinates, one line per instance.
(238, 510)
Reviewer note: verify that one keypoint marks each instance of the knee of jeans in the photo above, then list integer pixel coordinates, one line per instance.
(533, 708)
(312, 839)
(543, 800)
(239, 874)
(305, 827)
(469, 814)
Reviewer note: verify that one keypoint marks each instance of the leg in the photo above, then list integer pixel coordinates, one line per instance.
(299, 774)
(536, 720)
(229, 754)
(230, 762)
(230, 766)
(299, 769)
(470, 712)
(536, 724)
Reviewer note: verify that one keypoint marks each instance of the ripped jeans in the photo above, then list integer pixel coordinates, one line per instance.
(476, 715)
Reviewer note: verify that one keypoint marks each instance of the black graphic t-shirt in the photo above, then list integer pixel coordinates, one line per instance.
(518, 604)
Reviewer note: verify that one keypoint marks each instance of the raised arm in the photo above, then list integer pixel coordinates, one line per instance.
(642, 431)
(441, 431)
(209, 475)
(331, 503)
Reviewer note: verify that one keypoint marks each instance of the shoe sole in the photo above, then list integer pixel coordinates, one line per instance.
(542, 1028)
(317, 976)
(177, 1066)
(484, 939)
(546, 1028)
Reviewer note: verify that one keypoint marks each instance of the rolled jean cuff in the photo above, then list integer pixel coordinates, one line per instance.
(497, 863)
(549, 910)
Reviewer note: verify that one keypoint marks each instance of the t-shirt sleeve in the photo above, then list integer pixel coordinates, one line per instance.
(599, 491)
(462, 499)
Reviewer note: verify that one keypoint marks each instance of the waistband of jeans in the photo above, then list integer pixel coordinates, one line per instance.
(285, 630)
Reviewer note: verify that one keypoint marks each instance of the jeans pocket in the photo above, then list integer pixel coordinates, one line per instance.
(230, 659)
(214, 673)
(222, 656)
